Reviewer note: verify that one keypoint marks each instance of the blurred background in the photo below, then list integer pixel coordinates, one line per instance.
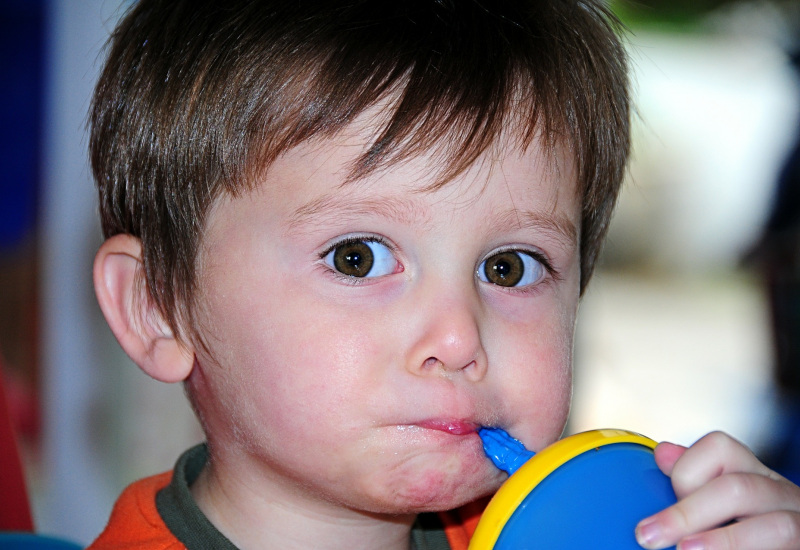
(677, 334)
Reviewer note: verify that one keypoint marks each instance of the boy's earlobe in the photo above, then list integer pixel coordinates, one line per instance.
(135, 321)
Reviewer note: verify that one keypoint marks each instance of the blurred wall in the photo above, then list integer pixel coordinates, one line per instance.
(674, 334)
(75, 492)
(105, 423)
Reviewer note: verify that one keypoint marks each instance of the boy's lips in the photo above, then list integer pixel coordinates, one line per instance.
(451, 426)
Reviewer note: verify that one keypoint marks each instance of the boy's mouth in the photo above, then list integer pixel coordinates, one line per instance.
(451, 426)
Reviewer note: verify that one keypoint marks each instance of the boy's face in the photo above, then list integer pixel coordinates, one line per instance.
(359, 333)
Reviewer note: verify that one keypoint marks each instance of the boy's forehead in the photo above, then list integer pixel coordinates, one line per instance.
(538, 182)
(427, 169)
(433, 155)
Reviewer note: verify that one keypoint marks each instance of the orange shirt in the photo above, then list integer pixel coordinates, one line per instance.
(135, 521)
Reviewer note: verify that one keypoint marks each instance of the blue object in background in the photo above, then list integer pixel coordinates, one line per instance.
(30, 541)
(21, 67)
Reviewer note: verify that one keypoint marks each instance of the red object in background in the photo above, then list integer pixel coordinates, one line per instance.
(15, 510)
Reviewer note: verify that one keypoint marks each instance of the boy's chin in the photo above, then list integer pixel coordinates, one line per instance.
(434, 491)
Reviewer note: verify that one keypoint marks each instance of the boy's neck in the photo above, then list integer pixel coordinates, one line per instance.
(255, 515)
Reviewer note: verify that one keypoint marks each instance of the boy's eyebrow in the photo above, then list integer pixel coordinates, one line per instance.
(323, 210)
(557, 226)
(344, 208)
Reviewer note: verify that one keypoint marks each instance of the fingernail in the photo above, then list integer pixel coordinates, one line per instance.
(648, 533)
(691, 544)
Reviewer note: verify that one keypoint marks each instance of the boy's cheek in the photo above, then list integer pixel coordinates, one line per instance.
(537, 391)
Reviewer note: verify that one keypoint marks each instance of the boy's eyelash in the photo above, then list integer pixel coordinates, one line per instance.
(353, 240)
(548, 265)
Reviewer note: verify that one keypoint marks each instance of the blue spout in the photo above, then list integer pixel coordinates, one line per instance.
(504, 451)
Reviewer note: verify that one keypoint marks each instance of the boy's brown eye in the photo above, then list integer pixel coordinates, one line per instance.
(353, 259)
(511, 268)
(504, 269)
(362, 258)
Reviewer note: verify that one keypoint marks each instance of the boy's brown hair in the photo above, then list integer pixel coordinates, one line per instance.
(197, 97)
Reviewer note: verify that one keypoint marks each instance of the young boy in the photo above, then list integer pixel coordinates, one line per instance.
(357, 231)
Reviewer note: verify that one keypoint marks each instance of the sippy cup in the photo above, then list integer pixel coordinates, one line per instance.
(588, 490)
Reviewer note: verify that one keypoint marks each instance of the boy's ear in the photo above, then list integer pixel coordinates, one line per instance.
(135, 321)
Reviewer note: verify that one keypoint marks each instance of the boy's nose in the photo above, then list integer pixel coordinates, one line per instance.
(449, 340)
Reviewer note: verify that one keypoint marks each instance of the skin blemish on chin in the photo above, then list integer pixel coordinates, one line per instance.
(427, 490)
(436, 484)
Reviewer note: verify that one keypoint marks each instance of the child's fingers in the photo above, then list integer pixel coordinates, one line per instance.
(773, 531)
(724, 499)
(714, 455)
(719, 481)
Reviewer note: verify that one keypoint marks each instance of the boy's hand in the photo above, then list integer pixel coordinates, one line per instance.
(726, 499)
